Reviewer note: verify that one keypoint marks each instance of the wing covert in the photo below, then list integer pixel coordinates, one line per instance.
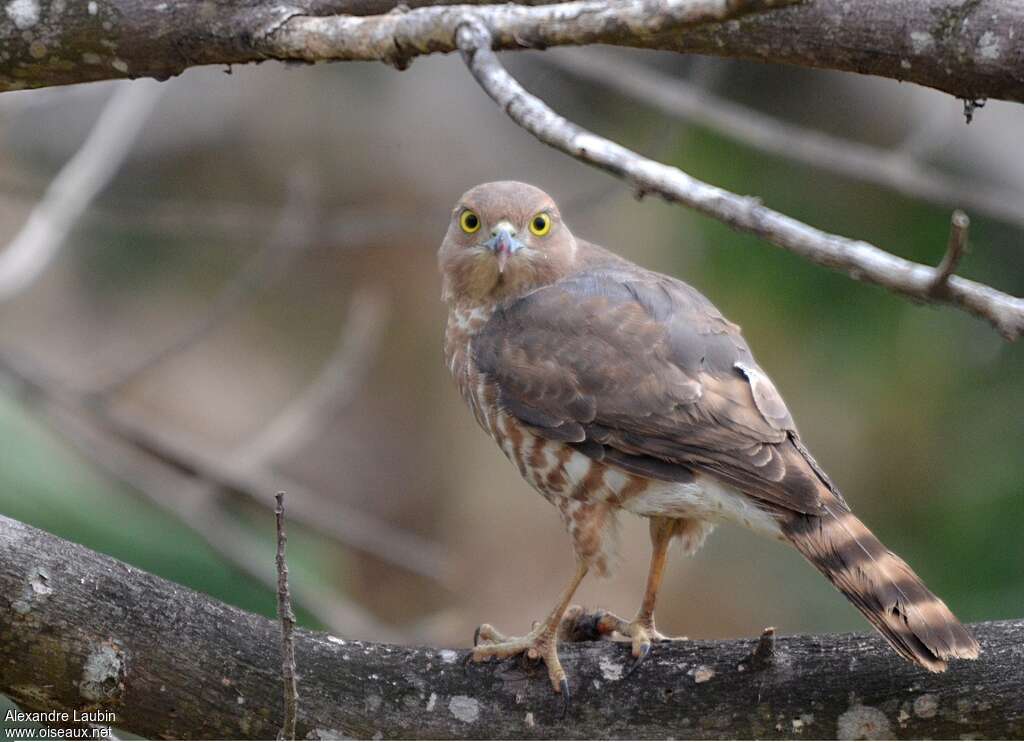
(643, 372)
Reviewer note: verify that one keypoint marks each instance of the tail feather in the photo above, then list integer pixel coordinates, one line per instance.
(882, 586)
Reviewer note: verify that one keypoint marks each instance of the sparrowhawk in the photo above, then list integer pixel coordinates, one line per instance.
(614, 388)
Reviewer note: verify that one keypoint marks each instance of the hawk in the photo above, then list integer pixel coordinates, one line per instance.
(614, 388)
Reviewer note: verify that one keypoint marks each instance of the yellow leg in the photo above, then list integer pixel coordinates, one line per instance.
(641, 629)
(541, 642)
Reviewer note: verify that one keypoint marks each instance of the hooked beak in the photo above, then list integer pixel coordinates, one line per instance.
(503, 243)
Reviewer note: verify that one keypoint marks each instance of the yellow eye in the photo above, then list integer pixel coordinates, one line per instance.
(540, 225)
(469, 221)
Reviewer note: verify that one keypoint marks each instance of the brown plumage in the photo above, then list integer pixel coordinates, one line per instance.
(614, 388)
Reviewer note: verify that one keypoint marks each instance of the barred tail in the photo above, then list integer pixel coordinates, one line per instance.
(883, 587)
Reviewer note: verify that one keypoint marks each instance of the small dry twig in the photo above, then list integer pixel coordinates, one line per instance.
(959, 223)
(284, 612)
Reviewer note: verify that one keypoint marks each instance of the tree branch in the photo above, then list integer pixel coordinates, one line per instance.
(79, 630)
(398, 37)
(968, 49)
(81, 179)
(160, 40)
(894, 169)
(858, 259)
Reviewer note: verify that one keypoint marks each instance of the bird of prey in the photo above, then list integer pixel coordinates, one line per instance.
(614, 388)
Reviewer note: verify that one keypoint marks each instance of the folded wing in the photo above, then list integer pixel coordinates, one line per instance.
(641, 371)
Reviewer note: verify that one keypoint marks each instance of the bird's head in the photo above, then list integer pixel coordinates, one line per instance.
(504, 239)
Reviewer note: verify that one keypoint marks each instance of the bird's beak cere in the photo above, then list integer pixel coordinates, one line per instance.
(503, 243)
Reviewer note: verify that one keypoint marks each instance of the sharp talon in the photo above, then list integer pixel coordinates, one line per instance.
(476, 636)
(645, 650)
(563, 689)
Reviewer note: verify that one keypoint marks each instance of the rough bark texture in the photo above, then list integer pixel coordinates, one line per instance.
(969, 48)
(56, 42)
(79, 630)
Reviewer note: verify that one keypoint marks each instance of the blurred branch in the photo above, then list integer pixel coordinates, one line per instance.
(859, 260)
(334, 387)
(171, 662)
(892, 169)
(292, 235)
(200, 504)
(349, 526)
(969, 50)
(75, 186)
(187, 498)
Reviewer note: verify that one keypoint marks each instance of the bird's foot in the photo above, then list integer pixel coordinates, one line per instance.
(640, 632)
(541, 643)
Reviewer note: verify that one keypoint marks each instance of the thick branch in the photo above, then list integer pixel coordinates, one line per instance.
(398, 37)
(968, 49)
(137, 38)
(859, 260)
(79, 630)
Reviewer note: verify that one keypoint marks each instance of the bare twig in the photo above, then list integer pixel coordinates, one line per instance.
(959, 223)
(287, 617)
(76, 185)
(859, 260)
(892, 169)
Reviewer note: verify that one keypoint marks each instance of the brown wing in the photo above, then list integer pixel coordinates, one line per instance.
(641, 371)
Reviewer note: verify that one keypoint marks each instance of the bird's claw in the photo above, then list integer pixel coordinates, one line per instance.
(540, 644)
(640, 632)
(487, 634)
(645, 651)
(563, 689)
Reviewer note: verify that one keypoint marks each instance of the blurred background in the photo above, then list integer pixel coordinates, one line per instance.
(250, 302)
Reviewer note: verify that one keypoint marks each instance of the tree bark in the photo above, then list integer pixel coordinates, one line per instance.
(79, 630)
(969, 49)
